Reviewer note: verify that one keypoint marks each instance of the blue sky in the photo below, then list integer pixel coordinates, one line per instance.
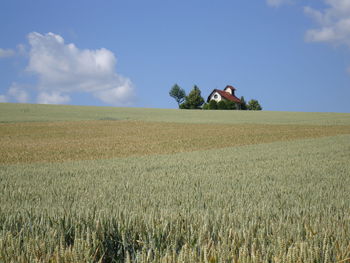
(290, 55)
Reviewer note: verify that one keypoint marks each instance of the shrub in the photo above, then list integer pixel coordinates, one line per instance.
(222, 105)
(184, 106)
(205, 106)
(230, 105)
(213, 105)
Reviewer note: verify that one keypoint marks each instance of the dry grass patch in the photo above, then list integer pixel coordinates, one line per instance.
(90, 140)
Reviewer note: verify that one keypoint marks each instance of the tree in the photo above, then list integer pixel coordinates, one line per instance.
(213, 105)
(222, 105)
(230, 105)
(243, 104)
(194, 99)
(254, 105)
(178, 94)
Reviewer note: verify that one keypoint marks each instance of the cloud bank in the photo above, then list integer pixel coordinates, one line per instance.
(277, 3)
(63, 69)
(4, 53)
(17, 93)
(333, 23)
(53, 97)
(3, 98)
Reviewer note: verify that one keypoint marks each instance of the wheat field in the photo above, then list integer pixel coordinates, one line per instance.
(102, 190)
(31, 142)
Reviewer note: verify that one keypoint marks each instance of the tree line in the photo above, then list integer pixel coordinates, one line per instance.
(194, 100)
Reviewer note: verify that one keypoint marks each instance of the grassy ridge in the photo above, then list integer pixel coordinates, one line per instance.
(89, 140)
(277, 202)
(12, 112)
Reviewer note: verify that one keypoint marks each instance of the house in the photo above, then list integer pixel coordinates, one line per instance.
(227, 94)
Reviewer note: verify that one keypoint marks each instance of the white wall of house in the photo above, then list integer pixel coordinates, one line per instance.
(216, 96)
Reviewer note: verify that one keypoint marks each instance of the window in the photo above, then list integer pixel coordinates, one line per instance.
(215, 96)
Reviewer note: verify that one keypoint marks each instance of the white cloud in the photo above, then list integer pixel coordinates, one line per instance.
(277, 3)
(119, 95)
(21, 49)
(6, 53)
(18, 93)
(52, 98)
(64, 68)
(333, 23)
(3, 98)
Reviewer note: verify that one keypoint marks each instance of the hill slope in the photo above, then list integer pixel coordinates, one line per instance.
(13, 112)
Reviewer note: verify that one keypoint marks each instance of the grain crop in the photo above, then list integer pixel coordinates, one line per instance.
(274, 202)
(89, 140)
(104, 184)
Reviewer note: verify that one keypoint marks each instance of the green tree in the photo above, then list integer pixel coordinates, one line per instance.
(222, 105)
(243, 105)
(230, 105)
(254, 105)
(194, 99)
(178, 94)
(213, 105)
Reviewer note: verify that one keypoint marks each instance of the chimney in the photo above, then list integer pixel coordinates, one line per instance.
(230, 90)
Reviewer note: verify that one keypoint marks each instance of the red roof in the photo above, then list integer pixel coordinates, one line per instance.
(225, 95)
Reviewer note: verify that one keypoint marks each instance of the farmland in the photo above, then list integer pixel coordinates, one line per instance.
(131, 185)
